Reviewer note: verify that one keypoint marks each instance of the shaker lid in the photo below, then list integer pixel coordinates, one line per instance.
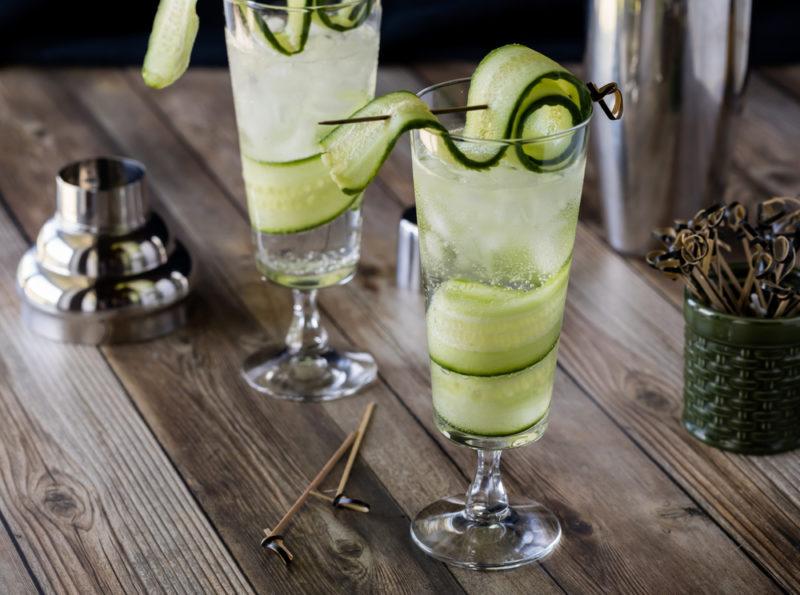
(104, 268)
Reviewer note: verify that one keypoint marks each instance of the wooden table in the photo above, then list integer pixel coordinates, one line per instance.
(152, 467)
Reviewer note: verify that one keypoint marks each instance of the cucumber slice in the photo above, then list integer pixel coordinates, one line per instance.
(293, 196)
(525, 92)
(343, 19)
(484, 330)
(292, 39)
(548, 116)
(494, 405)
(171, 42)
(355, 152)
(508, 80)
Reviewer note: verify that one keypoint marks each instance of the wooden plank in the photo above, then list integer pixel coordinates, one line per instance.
(98, 506)
(369, 310)
(14, 577)
(244, 456)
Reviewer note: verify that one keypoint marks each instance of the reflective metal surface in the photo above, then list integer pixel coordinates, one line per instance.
(104, 268)
(408, 265)
(681, 65)
(102, 195)
(136, 295)
(82, 252)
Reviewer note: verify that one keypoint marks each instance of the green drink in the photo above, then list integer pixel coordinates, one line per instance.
(496, 246)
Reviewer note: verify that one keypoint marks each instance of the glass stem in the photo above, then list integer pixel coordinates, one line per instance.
(487, 501)
(306, 334)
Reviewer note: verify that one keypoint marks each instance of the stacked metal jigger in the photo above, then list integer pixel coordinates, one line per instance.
(105, 268)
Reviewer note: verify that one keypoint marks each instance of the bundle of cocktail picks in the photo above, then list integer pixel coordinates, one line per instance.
(758, 281)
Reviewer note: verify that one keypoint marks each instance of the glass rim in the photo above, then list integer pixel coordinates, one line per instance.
(498, 141)
(312, 9)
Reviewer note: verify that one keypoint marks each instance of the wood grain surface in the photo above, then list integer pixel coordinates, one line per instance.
(153, 467)
(15, 577)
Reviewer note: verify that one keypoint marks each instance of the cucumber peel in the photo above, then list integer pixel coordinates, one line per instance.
(292, 197)
(171, 42)
(527, 93)
(354, 153)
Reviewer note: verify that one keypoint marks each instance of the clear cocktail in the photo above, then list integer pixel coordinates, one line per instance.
(294, 64)
(496, 246)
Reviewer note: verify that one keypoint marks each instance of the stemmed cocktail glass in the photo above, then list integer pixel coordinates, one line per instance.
(496, 247)
(293, 64)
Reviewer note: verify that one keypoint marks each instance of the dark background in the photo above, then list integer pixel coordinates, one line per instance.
(94, 32)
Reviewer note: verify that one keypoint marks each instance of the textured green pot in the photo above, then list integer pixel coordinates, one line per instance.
(741, 387)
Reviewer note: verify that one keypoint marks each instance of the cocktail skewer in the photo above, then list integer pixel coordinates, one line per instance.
(379, 118)
(274, 540)
(348, 468)
(597, 95)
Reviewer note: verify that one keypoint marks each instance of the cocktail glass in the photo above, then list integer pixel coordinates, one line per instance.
(294, 64)
(496, 247)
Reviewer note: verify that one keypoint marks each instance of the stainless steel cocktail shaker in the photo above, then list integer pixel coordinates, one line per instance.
(681, 65)
(104, 268)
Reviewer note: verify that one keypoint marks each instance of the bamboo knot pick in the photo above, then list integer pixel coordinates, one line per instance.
(274, 541)
(767, 284)
(348, 468)
(382, 117)
(598, 95)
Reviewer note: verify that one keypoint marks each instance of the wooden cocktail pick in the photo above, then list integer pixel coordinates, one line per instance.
(597, 95)
(340, 500)
(274, 540)
(381, 117)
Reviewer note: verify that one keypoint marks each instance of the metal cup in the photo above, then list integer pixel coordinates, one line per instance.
(681, 65)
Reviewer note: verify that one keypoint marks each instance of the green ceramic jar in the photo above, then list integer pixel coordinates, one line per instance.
(741, 380)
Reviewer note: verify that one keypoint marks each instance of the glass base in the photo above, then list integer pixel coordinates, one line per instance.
(521, 438)
(527, 533)
(310, 378)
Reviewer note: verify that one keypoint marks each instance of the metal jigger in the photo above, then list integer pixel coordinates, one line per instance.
(105, 268)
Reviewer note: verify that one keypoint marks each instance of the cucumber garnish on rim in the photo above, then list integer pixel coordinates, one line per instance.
(526, 93)
(171, 42)
(293, 37)
(345, 18)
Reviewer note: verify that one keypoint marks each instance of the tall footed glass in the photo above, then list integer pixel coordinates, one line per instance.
(496, 247)
(294, 63)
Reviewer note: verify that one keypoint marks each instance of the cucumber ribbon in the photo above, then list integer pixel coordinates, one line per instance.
(294, 35)
(528, 94)
(171, 41)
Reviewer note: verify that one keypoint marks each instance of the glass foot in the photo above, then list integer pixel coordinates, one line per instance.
(444, 531)
(308, 377)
